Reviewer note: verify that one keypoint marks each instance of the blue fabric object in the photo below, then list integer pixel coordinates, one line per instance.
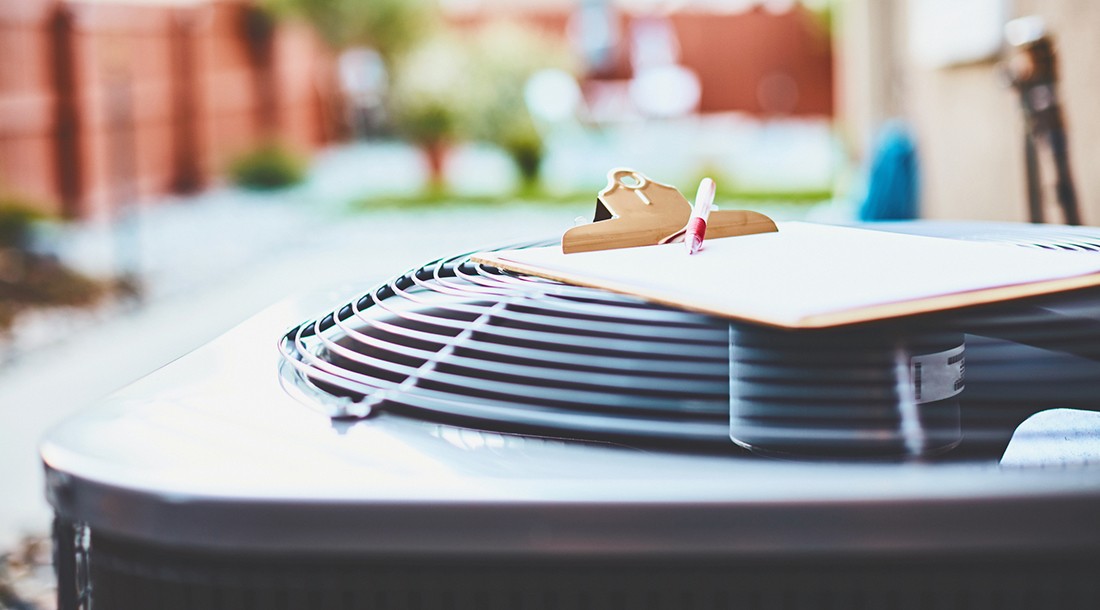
(894, 182)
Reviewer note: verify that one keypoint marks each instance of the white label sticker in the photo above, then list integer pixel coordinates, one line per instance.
(938, 376)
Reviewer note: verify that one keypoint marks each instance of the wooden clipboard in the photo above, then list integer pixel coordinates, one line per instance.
(816, 276)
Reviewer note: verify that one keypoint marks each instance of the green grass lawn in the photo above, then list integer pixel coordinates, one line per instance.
(725, 199)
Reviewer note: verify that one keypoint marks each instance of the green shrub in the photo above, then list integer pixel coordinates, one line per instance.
(504, 56)
(271, 166)
(523, 144)
(16, 219)
(29, 279)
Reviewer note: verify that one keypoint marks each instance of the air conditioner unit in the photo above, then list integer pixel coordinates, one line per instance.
(463, 437)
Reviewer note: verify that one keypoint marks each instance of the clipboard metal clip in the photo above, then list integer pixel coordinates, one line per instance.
(633, 210)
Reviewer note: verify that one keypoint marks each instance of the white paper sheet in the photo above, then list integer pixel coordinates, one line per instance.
(808, 275)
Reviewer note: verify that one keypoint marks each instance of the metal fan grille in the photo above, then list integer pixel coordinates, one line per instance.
(459, 342)
(455, 340)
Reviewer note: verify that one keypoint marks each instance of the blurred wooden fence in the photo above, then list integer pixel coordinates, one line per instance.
(108, 103)
(759, 62)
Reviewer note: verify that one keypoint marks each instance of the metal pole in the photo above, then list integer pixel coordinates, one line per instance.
(1033, 72)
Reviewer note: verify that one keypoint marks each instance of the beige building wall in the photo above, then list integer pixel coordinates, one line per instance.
(970, 141)
(967, 120)
(866, 71)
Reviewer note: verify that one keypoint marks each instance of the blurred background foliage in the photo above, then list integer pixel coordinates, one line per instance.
(17, 216)
(431, 98)
(445, 85)
(506, 55)
(390, 27)
(30, 278)
(272, 165)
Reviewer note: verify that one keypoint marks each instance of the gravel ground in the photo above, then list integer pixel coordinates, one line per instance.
(26, 576)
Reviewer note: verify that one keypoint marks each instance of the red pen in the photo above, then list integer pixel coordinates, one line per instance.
(697, 224)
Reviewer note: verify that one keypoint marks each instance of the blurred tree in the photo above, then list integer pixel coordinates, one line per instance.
(394, 29)
(444, 87)
(432, 98)
(455, 86)
(390, 27)
(505, 55)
